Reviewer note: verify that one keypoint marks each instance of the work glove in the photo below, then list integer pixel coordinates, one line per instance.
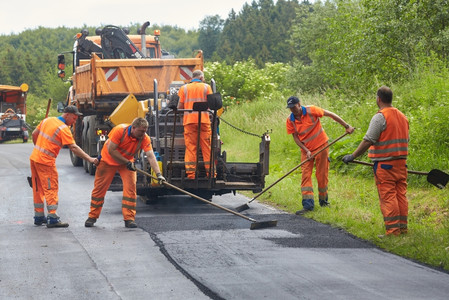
(131, 166)
(160, 178)
(348, 158)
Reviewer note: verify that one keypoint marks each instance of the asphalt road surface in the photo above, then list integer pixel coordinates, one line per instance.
(185, 249)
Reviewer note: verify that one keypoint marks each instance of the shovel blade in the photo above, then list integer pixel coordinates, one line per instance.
(438, 178)
(242, 207)
(263, 224)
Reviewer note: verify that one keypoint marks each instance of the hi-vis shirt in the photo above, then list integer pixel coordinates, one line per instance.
(393, 140)
(127, 145)
(308, 129)
(53, 135)
(195, 91)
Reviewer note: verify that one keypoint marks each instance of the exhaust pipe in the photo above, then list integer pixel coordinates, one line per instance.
(143, 39)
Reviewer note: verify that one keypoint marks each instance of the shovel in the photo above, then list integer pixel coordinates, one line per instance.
(254, 224)
(245, 206)
(436, 177)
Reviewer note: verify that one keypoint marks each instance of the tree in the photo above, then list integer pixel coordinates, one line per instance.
(209, 34)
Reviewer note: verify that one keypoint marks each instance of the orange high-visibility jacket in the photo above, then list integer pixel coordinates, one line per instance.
(127, 145)
(393, 141)
(53, 134)
(308, 129)
(196, 91)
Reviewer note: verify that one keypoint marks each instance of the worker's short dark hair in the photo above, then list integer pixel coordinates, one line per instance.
(385, 94)
(140, 122)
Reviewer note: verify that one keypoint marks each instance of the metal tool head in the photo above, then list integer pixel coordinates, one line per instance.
(242, 207)
(438, 178)
(263, 224)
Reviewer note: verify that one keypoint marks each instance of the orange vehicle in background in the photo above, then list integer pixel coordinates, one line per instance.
(13, 113)
(117, 77)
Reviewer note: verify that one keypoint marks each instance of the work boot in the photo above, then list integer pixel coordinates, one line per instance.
(40, 220)
(55, 223)
(130, 224)
(324, 203)
(90, 222)
(302, 211)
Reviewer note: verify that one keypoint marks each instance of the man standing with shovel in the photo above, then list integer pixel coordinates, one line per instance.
(387, 140)
(305, 127)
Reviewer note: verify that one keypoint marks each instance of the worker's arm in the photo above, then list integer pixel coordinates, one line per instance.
(363, 146)
(301, 145)
(349, 129)
(80, 153)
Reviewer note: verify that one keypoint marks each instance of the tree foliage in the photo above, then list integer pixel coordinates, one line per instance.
(354, 44)
(209, 34)
(260, 31)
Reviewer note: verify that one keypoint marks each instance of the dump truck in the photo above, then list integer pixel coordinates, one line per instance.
(13, 113)
(117, 77)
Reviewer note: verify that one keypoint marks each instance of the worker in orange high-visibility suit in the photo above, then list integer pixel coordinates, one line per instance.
(305, 127)
(195, 91)
(124, 142)
(48, 138)
(387, 140)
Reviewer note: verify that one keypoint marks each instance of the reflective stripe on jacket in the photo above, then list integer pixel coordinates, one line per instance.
(393, 141)
(191, 93)
(308, 129)
(53, 135)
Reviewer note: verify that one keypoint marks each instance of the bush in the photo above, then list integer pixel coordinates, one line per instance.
(243, 81)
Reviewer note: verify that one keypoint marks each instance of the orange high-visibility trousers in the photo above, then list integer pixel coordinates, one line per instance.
(321, 163)
(45, 186)
(190, 139)
(103, 178)
(391, 182)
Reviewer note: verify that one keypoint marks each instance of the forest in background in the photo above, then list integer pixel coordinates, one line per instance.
(340, 49)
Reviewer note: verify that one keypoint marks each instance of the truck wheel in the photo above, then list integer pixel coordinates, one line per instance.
(85, 166)
(91, 168)
(76, 161)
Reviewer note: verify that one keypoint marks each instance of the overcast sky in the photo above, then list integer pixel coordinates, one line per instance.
(19, 15)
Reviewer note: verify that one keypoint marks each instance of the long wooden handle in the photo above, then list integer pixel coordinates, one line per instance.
(197, 197)
(292, 170)
(370, 164)
(48, 108)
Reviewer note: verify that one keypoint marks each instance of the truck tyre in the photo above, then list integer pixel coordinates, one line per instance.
(77, 132)
(91, 168)
(76, 161)
(85, 166)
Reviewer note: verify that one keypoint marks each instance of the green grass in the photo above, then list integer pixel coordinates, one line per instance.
(352, 192)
